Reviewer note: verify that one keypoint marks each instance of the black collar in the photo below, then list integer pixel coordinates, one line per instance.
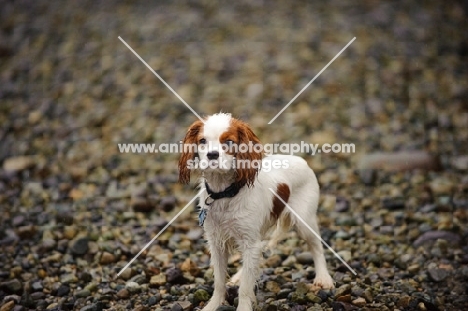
(229, 192)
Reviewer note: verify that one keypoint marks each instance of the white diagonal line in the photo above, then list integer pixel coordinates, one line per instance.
(315, 233)
(160, 232)
(308, 84)
(162, 80)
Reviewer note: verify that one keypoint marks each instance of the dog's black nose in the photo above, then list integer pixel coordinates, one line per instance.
(213, 155)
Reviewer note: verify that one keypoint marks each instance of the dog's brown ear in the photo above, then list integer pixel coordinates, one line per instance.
(252, 159)
(189, 151)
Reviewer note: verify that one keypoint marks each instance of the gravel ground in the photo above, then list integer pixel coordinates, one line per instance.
(74, 210)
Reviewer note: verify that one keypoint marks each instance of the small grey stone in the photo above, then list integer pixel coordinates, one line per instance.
(305, 258)
(12, 287)
(63, 290)
(438, 275)
(80, 246)
(68, 278)
(342, 205)
(127, 274)
(226, 308)
(154, 299)
(282, 294)
(184, 305)
(91, 307)
(37, 286)
(434, 235)
(195, 234)
(83, 293)
(133, 287)
(139, 278)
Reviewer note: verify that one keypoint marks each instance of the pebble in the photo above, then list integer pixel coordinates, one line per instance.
(200, 295)
(141, 204)
(367, 295)
(158, 280)
(123, 293)
(79, 247)
(360, 302)
(167, 204)
(175, 276)
(107, 258)
(189, 266)
(12, 287)
(273, 261)
(289, 262)
(7, 306)
(133, 287)
(438, 275)
(185, 305)
(63, 290)
(37, 286)
(153, 300)
(82, 293)
(127, 274)
(403, 302)
(311, 297)
(18, 163)
(305, 258)
(91, 307)
(68, 278)
(343, 290)
(26, 232)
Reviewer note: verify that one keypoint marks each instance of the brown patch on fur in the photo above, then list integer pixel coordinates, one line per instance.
(191, 138)
(282, 190)
(230, 134)
(246, 173)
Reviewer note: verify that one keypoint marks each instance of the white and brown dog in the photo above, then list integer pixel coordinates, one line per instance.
(238, 211)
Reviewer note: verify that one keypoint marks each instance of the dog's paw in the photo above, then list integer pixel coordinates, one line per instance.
(323, 282)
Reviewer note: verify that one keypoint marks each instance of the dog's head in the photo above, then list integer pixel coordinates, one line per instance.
(224, 145)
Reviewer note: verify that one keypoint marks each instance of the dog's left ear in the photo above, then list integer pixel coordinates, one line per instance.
(190, 144)
(252, 159)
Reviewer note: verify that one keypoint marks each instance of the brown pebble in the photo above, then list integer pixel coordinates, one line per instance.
(403, 302)
(141, 204)
(26, 232)
(123, 293)
(191, 267)
(107, 258)
(8, 306)
(360, 302)
(158, 280)
(344, 298)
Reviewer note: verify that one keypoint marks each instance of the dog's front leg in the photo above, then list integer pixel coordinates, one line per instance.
(251, 257)
(219, 258)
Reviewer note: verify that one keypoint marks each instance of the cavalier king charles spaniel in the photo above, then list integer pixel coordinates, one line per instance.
(239, 211)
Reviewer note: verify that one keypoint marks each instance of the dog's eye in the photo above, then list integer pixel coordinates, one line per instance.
(202, 141)
(229, 142)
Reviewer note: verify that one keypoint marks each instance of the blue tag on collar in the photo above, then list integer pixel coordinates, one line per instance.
(202, 216)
